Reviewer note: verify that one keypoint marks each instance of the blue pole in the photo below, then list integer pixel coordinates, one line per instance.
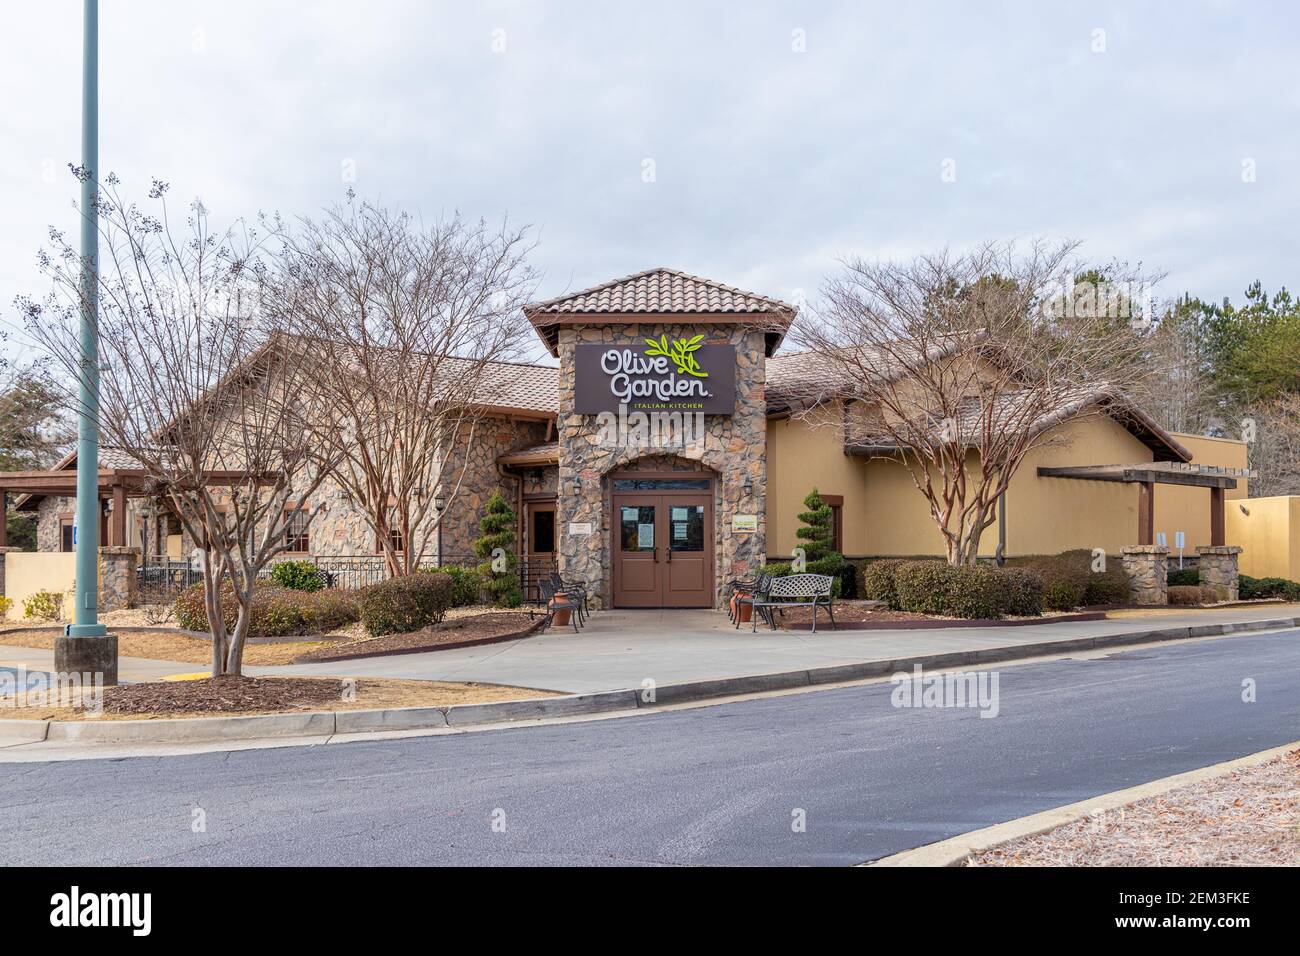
(86, 616)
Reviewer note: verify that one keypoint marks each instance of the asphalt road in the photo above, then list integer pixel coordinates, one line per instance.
(717, 784)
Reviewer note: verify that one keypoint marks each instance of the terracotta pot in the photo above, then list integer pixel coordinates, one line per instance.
(563, 611)
(746, 613)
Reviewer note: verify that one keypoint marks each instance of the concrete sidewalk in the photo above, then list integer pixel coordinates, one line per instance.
(621, 649)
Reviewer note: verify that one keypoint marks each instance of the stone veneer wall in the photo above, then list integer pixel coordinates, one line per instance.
(733, 447)
(493, 438)
(1218, 567)
(48, 510)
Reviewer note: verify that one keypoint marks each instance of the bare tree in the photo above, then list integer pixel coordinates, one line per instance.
(400, 329)
(1272, 430)
(959, 366)
(188, 387)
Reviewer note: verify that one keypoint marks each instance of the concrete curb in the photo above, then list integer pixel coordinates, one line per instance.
(328, 723)
(956, 850)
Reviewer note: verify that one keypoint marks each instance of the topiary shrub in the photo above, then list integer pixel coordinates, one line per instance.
(498, 542)
(298, 576)
(974, 591)
(878, 582)
(276, 611)
(1183, 577)
(406, 604)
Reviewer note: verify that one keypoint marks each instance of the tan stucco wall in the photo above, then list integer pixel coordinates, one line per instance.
(27, 572)
(801, 456)
(884, 514)
(1270, 535)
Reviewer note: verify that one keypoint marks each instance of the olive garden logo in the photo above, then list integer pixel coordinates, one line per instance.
(681, 353)
(662, 374)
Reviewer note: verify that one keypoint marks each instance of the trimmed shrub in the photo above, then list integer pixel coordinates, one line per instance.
(923, 587)
(6, 605)
(277, 611)
(298, 576)
(1186, 594)
(406, 604)
(1070, 582)
(834, 565)
(878, 582)
(1183, 577)
(1253, 589)
(498, 538)
(974, 592)
(466, 585)
(1023, 592)
(816, 533)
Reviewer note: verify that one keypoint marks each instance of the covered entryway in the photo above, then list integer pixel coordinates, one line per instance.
(663, 542)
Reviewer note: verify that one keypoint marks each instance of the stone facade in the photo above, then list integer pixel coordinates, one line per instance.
(1147, 566)
(48, 510)
(119, 585)
(1218, 566)
(733, 449)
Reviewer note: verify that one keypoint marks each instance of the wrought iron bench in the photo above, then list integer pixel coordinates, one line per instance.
(795, 590)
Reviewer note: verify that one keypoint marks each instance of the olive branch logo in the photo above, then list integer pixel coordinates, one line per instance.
(681, 352)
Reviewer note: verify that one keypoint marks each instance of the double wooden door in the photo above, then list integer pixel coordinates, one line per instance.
(663, 550)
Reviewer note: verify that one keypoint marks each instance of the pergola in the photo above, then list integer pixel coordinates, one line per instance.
(115, 485)
(1147, 476)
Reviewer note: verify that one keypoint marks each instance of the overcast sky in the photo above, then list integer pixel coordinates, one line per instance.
(776, 137)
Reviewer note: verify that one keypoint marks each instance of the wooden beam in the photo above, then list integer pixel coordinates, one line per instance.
(117, 531)
(1146, 513)
(1217, 537)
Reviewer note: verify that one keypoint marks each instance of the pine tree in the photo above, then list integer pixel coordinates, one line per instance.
(817, 535)
(498, 527)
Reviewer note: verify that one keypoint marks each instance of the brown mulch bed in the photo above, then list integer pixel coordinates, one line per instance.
(486, 628)
(246, 696)
(176, 646)
(1250, 817)
(220, 695)
(862, 616)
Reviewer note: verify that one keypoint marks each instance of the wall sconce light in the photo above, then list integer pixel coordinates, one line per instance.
(575, 487)
(748, 485)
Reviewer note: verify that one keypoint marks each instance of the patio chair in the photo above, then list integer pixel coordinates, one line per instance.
(754, 596)
(797, 590)
(553, 601)
(576, 591)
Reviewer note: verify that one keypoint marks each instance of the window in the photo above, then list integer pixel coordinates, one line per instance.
(65, 535)
(836, 504)
(662, 484)
(295, 531)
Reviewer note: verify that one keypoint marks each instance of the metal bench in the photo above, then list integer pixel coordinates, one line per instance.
(795, 590)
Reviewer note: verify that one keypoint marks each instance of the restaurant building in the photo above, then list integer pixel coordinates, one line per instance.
(671, 449)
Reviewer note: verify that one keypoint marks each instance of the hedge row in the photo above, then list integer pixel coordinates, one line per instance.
(1069, 580)
(976, 592)
(1250, 589)
(277, 611)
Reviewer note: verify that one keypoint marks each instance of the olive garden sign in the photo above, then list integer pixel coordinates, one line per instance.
(662, 375)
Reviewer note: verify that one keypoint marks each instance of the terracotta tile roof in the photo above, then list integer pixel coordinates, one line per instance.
(658, 291)
(530, 388)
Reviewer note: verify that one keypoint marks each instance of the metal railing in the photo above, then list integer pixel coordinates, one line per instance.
(162, 577)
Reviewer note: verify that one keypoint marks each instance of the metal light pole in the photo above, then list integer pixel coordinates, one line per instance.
(85, 645)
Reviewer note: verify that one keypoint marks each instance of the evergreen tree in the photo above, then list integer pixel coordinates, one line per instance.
(498, 527)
